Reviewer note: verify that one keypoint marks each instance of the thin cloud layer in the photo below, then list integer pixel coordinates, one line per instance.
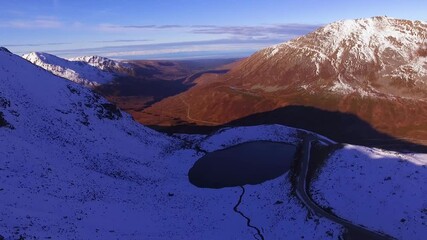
(237, 31)
(36, 44)
(256, 31)
(122, 41)
(152, 26)
(37, 23)
(219, 47)
(229, 40)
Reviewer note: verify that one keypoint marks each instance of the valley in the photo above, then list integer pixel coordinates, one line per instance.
(133, 85)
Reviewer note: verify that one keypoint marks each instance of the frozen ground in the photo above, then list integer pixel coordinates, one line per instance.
(382, 190)
(74, 167)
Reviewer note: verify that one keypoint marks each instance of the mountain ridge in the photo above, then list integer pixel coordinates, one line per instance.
(350, 54)
(103, 63)
(81, 72)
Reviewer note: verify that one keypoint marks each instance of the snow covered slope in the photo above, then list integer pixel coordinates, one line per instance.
(74, 167)
(89, 74)
(105, 64)
(383, 190)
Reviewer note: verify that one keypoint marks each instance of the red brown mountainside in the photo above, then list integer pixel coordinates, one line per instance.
(375, 68)
(149, 81)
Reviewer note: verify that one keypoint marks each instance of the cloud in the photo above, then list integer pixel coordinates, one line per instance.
(125, 28)
(122, 41)
(40, 22)
(257, 31)
(69, 43)
(153, 26)
(236, 31)
(229, 40)
(220, 47)
(36, 44)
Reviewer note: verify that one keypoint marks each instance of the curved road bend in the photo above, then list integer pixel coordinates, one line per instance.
(191, 78)
(301, 191)
(189, 114)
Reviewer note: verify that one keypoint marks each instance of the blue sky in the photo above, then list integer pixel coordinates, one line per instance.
(144, 29)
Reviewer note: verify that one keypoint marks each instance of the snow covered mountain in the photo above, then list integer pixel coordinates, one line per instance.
(369, 56)
(105, 64)
(374, 68)
(75, 167)
(90, 71)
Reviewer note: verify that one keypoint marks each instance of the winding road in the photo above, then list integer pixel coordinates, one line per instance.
(357, 231)
(193, 77)
(189, 114)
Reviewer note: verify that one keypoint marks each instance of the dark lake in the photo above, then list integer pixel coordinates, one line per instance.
(246, 163)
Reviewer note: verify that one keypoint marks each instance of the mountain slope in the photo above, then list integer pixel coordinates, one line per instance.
(373, 56)
(74, 167)
(375, 68)
(91, 73)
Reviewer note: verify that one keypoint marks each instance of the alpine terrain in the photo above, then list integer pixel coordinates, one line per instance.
(75, 165)
(374, 68)
(89, 71)
(79, 168)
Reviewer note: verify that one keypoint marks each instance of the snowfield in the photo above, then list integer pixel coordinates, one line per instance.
(382, 190)
(73, 167)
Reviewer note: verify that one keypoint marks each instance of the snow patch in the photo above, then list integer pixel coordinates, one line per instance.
(79, 72)
(382, 187)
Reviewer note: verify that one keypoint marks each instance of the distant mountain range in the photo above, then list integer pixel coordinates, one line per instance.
(94, 71)
(132, 85)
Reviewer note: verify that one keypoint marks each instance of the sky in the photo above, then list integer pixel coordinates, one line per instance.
(176, 29)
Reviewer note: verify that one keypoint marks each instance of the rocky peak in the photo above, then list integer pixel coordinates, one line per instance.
(369, 55)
